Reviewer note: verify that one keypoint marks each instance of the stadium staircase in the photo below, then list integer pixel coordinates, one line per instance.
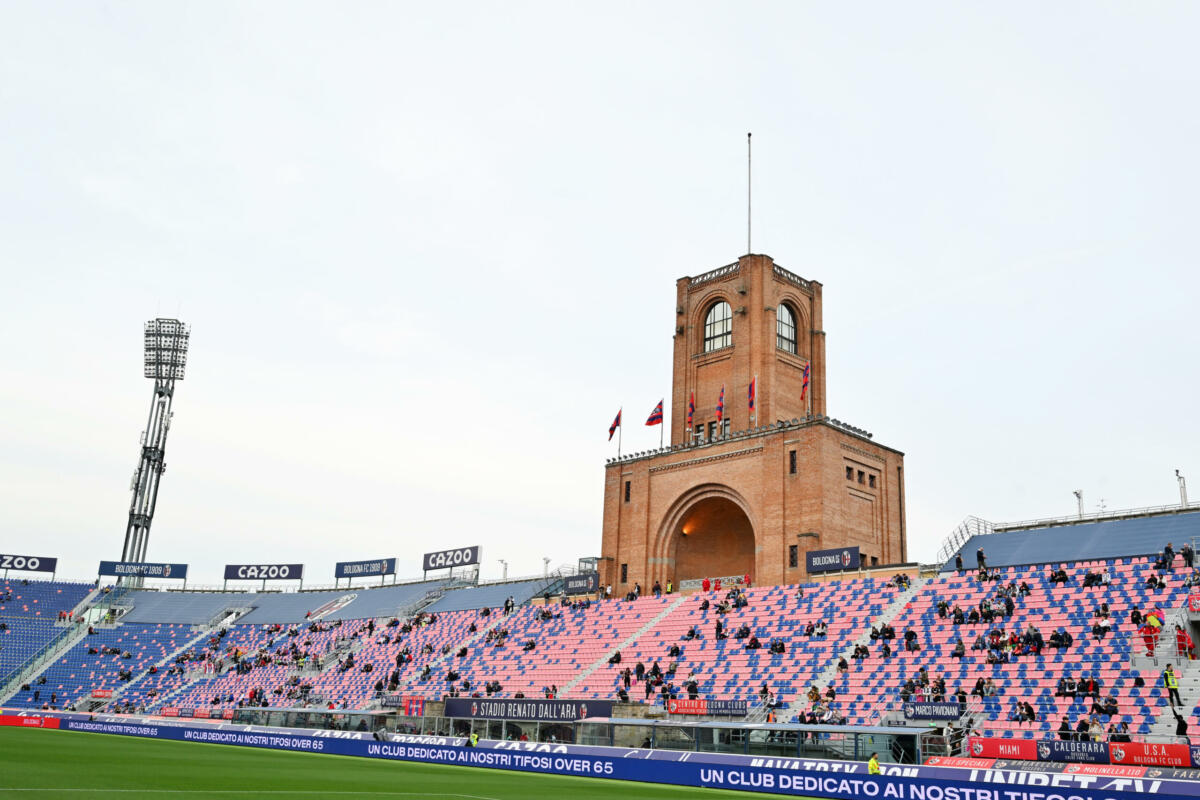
(601, 662)
(885, 705)
(81, 608)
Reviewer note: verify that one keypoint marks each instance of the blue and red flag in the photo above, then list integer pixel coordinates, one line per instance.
(656, 414)
(616, 424)
(804, 390)
(752, 392)
(721, 405)
(691, 409)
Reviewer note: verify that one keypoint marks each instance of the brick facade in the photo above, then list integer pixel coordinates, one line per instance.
(737, 504)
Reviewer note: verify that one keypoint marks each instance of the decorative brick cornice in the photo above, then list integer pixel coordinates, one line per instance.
(715, 457)
(863, 453)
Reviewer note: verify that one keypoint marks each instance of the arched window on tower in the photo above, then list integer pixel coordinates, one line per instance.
(718, 327)
(785, 329)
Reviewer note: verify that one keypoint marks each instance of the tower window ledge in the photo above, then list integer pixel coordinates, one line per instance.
(713, 355)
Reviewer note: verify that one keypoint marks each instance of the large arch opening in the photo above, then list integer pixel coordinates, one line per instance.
(713, 538)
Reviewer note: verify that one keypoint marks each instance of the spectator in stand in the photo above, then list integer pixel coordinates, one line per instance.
(799, 593)
(1065, 732)
(1081, 730)
(980, 559)
(910, 641)
(1100, 629)
(1108, 707)
(1183, 644)
(1171, 682)
(1155, 583)
(753, 644)
(1169, 557)
(1149, 635)
(1135, 616)
(1059, 576)
(960, 649)
(958, 565)
(1193, 579)
(842, 665)
(1119, 732)
(1189, 555)
(1066, 687)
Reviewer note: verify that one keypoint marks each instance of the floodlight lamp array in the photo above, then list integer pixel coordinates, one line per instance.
(166, 348)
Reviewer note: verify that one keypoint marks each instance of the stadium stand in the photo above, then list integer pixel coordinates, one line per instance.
(431, 640)
(1034, 678)
(28, 612)
(80, 672)
(1115, 538)
(724, 668)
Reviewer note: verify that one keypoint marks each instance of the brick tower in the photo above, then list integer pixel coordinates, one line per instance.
(754, 492)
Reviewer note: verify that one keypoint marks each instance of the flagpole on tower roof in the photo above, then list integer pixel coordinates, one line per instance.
(748, 179)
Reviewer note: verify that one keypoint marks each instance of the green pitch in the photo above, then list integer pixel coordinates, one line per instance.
(78, 766)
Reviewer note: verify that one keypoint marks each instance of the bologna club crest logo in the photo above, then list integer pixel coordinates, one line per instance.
(845, 559)
(332, 606)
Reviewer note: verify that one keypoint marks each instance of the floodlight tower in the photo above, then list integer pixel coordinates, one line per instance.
(166, 358)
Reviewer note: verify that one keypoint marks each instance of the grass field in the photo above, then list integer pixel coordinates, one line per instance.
(46, 763)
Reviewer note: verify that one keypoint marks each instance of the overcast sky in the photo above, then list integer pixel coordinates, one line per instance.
(427, 250)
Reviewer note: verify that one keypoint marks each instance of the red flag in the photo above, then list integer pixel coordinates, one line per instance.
(721, 405)
(613, 428)
(691, 408)
(804, 390)
(752, 392)
(656, 415)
